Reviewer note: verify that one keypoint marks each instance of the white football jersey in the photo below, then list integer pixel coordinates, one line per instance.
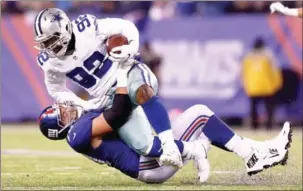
(88, 66)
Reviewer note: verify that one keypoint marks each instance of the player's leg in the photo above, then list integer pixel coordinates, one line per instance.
(187, 129)
(137, 132)
(151, 172)
(222, 136)
(143, 87)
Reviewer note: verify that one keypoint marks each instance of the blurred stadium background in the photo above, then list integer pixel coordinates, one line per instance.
(195, 48)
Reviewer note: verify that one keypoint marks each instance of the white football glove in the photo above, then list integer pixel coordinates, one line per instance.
(277, 7)
(127, 51)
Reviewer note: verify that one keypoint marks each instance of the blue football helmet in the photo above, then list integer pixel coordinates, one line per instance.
(55, 121)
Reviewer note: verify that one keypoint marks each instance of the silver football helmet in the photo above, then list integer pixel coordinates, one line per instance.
(53, 31)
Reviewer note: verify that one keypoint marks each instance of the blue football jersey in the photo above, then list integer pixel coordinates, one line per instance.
(112, 151)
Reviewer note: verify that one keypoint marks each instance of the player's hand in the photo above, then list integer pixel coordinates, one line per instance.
(125, 52)
(277, 7)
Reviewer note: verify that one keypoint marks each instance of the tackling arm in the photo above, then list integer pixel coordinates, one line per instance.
(113, 118)
(117, 115)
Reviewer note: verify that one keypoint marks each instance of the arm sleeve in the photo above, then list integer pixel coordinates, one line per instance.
(112, 26)
(56, 86)
(120, 112)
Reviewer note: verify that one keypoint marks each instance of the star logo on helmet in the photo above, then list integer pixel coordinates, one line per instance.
(57, 18)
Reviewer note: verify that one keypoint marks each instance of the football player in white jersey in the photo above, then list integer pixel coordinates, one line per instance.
(77, 50)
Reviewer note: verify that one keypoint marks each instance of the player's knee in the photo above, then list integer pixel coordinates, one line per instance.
(152, 178)
(144, 93)
(202, 110)
(142, 147)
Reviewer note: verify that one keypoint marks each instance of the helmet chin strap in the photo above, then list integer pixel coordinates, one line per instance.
(80, 111)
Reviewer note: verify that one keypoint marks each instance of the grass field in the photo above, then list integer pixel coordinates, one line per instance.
(29, 161)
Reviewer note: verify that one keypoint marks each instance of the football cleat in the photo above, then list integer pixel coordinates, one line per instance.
(171, 155)
(276, 150)
(254, 162)
(270, 152)
(201, 147)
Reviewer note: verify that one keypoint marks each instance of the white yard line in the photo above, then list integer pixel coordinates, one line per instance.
(224, 172)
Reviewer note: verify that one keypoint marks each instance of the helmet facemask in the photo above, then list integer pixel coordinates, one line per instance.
(68, 113)
(54, 45)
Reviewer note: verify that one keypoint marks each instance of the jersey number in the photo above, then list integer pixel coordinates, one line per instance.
(83, 78)
(82, 22)
(42, 58)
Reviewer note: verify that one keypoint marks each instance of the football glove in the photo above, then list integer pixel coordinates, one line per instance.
(125, 52)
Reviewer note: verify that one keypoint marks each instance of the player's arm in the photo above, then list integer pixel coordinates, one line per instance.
(111, 26)
(56, 86)
(115, 117)
(280, 8)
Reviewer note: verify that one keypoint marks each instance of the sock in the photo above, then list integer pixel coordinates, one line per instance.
(217, 132)
(239, 146)
(156, 150)
(187, 151)
(224, 137)
(253, 142)
(158, 118)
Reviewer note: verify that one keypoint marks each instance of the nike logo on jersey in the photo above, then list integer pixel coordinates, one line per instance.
(69, 138)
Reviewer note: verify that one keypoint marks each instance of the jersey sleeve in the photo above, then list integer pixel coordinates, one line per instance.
(56, 86)
(79, 135)
(55, 82)
(111, 26)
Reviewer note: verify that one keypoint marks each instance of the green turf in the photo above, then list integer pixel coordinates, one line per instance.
(63, 172)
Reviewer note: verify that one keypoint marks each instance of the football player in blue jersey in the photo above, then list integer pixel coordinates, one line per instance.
(90, 134)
